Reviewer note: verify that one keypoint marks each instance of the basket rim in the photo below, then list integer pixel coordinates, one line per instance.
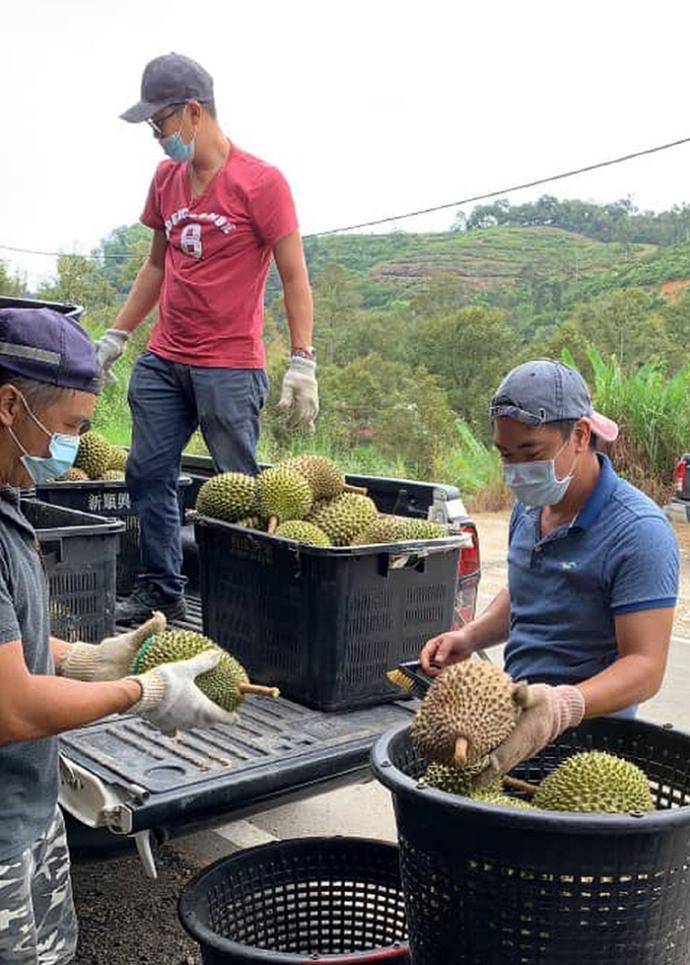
(91, 484)
(418, 547)
(546, 821)
(202, 934)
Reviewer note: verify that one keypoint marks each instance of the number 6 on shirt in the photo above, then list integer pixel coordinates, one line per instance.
(190, 240)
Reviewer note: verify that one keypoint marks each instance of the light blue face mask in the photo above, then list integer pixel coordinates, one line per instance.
(63, 451)
(175, 147)
(535, 483)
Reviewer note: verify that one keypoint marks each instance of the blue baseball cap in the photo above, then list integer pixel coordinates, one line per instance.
(543, 391)
(44, 345)
(167, 80)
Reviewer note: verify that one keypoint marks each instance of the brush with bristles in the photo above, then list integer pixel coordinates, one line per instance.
(410, 678)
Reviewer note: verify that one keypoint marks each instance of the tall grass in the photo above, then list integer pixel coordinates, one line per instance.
(653, 413)
(476, 470)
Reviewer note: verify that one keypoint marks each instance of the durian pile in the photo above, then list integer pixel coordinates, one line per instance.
(96, 459)
(226, 685)
(470, 709)
(306, 499)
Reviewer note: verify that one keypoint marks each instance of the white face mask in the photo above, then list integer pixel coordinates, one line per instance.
(535, 483)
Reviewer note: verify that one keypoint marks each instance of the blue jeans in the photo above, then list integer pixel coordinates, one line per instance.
(168, 402)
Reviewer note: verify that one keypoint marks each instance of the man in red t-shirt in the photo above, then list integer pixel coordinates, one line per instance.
(218, 215)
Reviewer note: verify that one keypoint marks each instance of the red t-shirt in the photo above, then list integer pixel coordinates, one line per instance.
(211, 306)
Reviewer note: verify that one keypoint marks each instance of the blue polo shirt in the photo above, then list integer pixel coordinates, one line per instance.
(619, 555)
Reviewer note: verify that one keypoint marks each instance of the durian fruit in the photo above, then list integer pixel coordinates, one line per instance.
(380, 530)
(283, 494)
(228, 496)
(419, 529)
(73, 475)
(94, 454)
(393, 529)
(469, 709)
(594, 781)
(460, 781)
(114, 475)
(323, 475)
(343, 518)
(226, 685)
(302, 532)
(118, 458)
(504, 800)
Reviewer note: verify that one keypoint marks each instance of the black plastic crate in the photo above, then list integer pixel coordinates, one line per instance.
(290, 902)
(79, 554)
(323, 624)
(490, 884)
(111, 500)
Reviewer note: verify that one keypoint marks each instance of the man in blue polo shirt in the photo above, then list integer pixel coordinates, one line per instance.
(592, 568)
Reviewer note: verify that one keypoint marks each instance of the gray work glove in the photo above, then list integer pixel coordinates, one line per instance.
(547, 712)
(172, 701)
(112, 658)
(109, 348)
(300, 394)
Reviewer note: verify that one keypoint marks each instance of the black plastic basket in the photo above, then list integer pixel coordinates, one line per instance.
(304, 900)
(323, 624)
(79, 554)
(487, 884)
(111, 500)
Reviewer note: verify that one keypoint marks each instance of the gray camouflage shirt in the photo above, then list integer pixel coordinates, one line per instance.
(28, 769)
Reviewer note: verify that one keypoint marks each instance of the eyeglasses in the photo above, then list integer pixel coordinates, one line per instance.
(157, 125)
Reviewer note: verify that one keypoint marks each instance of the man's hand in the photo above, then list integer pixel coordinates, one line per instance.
(547, 712)
(300, 393)
(112, 658)
(445, 649)
(109, 348)
(172, 701)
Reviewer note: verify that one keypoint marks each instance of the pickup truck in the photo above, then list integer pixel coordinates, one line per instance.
(121, 777)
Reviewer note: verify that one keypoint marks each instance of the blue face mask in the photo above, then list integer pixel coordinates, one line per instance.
(175, 147)
(535, 483)
(63, 451)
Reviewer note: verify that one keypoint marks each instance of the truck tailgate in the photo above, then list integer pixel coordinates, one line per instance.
(123, 774)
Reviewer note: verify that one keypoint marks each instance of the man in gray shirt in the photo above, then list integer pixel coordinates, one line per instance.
(49, 381)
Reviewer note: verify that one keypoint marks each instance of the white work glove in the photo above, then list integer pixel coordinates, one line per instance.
(172, 701)
(547, 712)
(109, 348)
(300, 393)
(112, 658)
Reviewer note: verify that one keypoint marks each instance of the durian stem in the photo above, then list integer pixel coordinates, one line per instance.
(462, 747)
(362, 490)
(258, 690)
(272, 524)
(515, 784)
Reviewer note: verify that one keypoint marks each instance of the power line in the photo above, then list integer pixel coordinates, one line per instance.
(412, 214)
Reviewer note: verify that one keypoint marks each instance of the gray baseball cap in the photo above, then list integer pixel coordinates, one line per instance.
(544, 391)
(170, 79)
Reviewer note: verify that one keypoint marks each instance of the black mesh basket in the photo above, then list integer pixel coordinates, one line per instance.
(309, 899)
(487, 884)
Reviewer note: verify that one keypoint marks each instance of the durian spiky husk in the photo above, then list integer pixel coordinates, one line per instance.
(393, 529)
(283, 493)
(323, 475)
(220, 684)
(114, 475)
(470, 705)
(302, 532)
(94, 454)
(594, 781)
(73, 475)
(460, 781)
(343, 518)
(118, 459)
(229, 496)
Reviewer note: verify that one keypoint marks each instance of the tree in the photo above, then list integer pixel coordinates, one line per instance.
(470, 350)
(625, 323)
(13, 285)
(336, 303)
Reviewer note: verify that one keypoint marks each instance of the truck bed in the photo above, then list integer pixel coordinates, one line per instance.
(123, 774)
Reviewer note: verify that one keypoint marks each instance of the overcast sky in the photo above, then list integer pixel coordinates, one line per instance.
(370, 108)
